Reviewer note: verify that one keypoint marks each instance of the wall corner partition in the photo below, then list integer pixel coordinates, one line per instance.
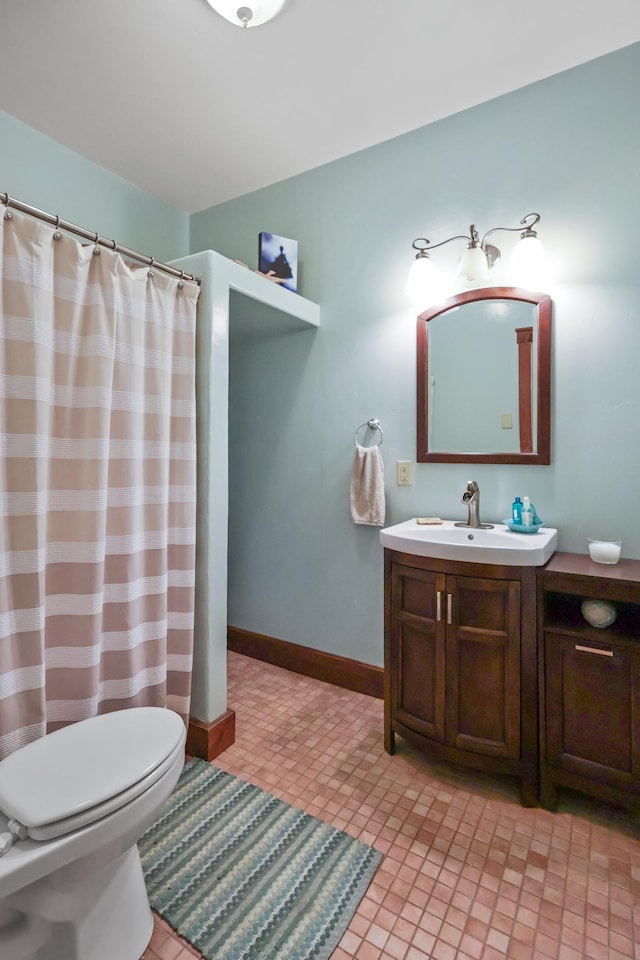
(220, 278)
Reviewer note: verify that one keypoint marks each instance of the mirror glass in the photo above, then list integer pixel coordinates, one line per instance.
(484, 359)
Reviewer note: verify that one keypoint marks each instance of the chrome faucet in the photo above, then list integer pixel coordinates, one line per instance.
(471, 497)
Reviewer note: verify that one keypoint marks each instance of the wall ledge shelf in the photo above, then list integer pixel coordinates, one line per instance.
(245, 281)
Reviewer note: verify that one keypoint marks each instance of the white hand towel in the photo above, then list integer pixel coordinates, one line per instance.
(367, 487)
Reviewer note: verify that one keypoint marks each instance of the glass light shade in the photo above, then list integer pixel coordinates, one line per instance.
(262, 10)
(423, 282)
(529, 266)
(473, 265)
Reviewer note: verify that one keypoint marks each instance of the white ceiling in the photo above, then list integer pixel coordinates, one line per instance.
(194, 110)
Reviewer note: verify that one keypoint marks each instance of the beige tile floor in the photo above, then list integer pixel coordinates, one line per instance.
(468, 874)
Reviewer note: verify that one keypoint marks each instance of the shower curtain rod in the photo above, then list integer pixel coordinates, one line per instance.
(95, 238)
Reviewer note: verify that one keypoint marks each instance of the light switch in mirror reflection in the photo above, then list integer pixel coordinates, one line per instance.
(483, 388)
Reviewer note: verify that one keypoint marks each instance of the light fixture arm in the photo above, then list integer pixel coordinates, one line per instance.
(423, 251)
(423, 246)
(527, 232)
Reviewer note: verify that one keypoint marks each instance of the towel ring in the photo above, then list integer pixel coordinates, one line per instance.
(373, 424)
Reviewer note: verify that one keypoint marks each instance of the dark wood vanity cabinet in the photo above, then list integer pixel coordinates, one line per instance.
(460, 663)
(589, 681)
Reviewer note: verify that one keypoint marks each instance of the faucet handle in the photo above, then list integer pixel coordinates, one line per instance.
(472, 490)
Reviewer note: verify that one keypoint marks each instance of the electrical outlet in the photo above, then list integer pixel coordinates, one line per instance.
(404, 473)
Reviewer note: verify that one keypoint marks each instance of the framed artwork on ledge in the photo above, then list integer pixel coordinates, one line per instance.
(278, 259)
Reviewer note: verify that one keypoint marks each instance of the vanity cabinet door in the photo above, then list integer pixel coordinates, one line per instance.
(459, 658)
(592, 708)
(417, 655)
(483, 666)
(454, 659)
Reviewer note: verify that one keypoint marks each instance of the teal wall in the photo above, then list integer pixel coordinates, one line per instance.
(567, 147)
(43, 173)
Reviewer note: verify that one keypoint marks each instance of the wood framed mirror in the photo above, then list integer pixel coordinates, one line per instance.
(484, 378)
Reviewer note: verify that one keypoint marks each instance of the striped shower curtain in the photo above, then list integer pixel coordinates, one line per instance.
(97, 483)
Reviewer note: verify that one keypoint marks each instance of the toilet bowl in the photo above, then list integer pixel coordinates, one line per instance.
(73, 888)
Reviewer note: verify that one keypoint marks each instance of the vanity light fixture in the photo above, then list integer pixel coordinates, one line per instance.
(527, 266)
(250, 14)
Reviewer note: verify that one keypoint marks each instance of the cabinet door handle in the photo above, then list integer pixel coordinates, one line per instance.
(439, 605)
(449, 608)
(601, 653)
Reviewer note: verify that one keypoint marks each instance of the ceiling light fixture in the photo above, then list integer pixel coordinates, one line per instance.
(250, 14)
(527, 264)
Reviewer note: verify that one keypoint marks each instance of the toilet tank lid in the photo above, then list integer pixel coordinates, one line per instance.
(86, 763)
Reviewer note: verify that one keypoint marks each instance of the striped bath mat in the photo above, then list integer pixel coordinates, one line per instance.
(243, 876)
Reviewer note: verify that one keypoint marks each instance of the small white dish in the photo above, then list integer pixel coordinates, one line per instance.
(605, 551)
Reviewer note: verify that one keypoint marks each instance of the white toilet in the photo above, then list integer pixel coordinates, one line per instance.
(73, 888)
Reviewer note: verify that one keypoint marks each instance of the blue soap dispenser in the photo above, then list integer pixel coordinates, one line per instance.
(516, 511)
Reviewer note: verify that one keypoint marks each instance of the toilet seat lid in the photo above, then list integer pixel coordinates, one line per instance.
(86, 763)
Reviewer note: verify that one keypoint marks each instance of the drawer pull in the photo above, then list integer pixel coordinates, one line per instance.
(601, 653)
(448, 608)
(439, 606)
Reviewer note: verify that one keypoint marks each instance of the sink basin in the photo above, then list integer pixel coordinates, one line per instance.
(447, 542)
